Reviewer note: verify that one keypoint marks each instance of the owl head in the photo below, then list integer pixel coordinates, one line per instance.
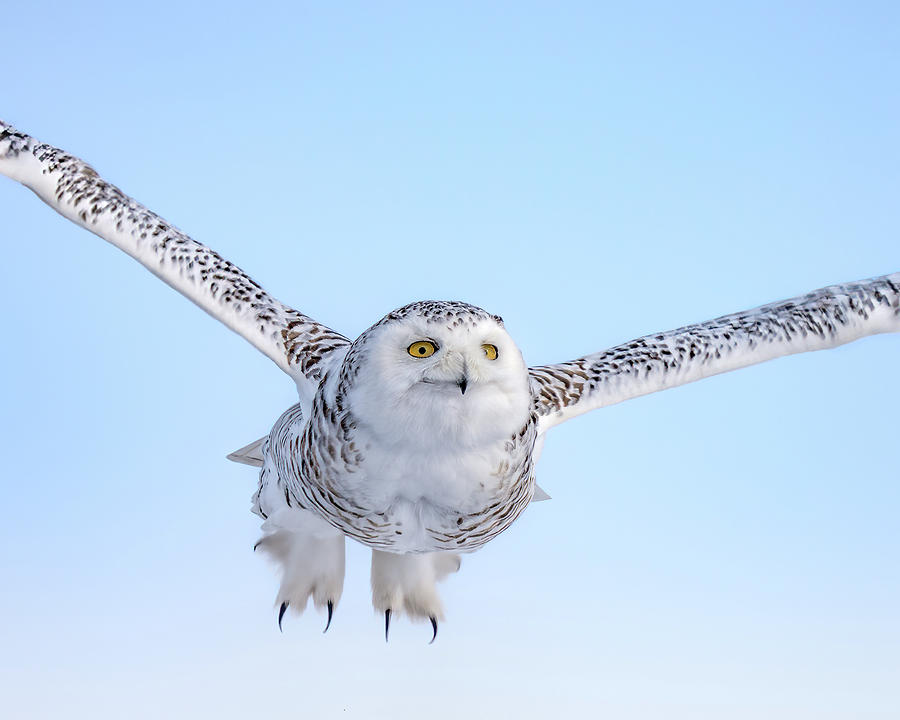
(438, 372)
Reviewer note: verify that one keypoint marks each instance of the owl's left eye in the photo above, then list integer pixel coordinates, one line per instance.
(422, 349)
(490, 351)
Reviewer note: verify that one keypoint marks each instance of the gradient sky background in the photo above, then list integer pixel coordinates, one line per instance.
(590, 172)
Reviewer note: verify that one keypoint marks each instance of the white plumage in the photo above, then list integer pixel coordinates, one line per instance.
(419, 438)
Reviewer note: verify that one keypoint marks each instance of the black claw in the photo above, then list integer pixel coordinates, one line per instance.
(387, 623)
(256, 545)
(330, 613)
(434, 627)
(284, 607)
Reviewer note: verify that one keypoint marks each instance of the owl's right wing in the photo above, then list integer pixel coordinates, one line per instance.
(298, 345)
(821, 319)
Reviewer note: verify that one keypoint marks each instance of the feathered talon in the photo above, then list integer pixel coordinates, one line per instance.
(387, 623)
(330, 613)
(281, 612)
(434, 627)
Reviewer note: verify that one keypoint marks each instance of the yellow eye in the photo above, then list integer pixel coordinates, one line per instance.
(422, 349)
(490, 351)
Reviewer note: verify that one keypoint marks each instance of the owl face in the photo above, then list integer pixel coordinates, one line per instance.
(441, 373)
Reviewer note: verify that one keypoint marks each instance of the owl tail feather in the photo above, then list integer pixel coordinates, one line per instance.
(249, 454)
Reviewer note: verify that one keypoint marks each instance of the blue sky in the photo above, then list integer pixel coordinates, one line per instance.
(592, 173)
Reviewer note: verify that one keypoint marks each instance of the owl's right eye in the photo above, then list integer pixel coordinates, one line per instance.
(422, 349)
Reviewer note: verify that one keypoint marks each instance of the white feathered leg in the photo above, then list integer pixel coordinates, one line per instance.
(308, 551)
(407, 584)
(310, 554)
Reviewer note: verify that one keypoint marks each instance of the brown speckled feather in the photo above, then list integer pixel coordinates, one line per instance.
(298, 345)
(816, 321)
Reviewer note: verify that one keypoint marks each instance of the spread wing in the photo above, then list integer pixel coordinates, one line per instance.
(819, 320)
(298, 345)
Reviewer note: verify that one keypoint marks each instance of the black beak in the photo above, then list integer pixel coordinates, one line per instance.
(463, 384)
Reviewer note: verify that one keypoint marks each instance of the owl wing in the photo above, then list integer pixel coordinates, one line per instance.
(819, 320)
(299, 345)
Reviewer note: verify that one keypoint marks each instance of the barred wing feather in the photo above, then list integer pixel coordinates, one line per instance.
(298, 345)
(821, 319)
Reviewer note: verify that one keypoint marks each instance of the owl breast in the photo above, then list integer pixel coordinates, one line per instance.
(403, 497)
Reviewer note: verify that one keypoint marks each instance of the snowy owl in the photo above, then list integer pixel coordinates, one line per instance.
(419, 438)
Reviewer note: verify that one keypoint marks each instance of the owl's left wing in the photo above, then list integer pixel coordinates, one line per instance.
(822, 319)
(298, 344)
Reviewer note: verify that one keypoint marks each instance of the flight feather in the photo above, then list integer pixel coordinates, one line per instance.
(297, 344)
(819, 320)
